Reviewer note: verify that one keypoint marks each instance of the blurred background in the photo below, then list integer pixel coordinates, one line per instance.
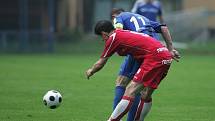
(62, 25)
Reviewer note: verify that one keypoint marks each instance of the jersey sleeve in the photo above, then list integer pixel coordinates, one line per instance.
(156, 26)
(109, 48)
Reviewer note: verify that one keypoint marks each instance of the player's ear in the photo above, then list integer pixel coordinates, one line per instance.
(102, 33)
(105, 35)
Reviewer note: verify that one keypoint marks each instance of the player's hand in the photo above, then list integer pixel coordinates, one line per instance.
(89, 73)
(175, 55)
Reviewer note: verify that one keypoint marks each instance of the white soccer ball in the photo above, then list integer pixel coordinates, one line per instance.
(52, 99)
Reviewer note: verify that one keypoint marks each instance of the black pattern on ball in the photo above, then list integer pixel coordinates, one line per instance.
(53, 107)
(51, 98)
(44, 101)
(60, 99)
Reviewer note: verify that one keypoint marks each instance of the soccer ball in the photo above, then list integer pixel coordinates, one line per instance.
(52, 99)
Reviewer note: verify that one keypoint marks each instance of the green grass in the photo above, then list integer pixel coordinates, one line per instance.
(187, 94)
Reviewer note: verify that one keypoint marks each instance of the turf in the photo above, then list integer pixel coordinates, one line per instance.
(187, 94)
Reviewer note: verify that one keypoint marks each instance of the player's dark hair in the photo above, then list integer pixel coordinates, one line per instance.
(103, 26)
(117, 11)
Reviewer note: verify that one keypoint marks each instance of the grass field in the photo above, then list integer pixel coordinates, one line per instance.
(187, 94)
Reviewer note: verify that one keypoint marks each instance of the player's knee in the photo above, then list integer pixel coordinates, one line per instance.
(132, 89)
(122, 81)
(129, 90)
(146, 94)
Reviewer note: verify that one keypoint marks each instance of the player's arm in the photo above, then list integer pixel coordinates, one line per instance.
(96, 67)
(164, 31)
(167, 37)
(168, 40)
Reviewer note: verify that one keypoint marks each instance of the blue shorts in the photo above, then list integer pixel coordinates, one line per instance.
(129, 67)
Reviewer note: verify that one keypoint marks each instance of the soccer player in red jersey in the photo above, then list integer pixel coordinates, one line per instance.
(155, 61)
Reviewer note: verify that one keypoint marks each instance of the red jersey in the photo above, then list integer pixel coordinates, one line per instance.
(139, 45)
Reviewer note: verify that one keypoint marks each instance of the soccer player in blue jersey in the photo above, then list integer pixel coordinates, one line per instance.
(151, 9)
(138, 23)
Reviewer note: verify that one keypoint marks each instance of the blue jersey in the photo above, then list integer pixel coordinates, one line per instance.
(149, 10)
(138, 23)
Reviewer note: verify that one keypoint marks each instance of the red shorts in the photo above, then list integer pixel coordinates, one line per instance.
(152, 71)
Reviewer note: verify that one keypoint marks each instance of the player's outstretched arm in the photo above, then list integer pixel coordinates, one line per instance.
(96, 67)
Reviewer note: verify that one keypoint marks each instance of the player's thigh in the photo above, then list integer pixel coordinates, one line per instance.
(133, 88)
(146, 93)
(122, 81)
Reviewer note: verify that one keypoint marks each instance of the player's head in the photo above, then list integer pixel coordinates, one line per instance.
(115, 12)
(103, 28)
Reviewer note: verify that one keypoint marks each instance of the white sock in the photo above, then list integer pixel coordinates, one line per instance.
(121, 109)
(145, 110)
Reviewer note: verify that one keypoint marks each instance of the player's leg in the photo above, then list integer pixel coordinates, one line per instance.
(119, 89)
(153, 77)
(133, 109)
(150, 73)
(123, 79)
(144, 105)
(127, 71)
(125, 104)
